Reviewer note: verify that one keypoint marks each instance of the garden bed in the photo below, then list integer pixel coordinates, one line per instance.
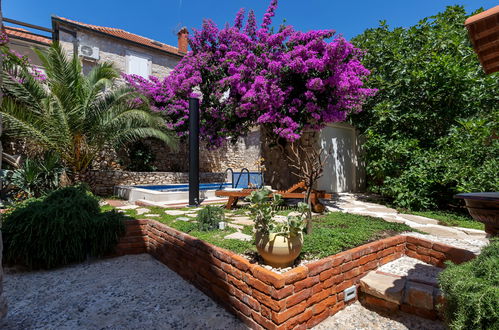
(332, 233)
(304, 296)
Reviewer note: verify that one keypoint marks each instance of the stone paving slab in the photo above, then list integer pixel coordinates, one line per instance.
(472, 240)
(239, 236)
(175, 212)
(245, 221)
(232, 225)
(142, 210)
(127, 207)
(130, 292)
(419, 219)
(185, 219)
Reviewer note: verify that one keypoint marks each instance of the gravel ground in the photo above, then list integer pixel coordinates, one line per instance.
(471, 244)
(357, 317)
(413, 269)
(130, 292)
(138, 292)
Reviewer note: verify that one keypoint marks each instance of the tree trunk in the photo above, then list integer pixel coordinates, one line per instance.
(309, 211)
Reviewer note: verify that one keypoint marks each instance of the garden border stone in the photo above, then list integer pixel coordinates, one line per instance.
(299, 298)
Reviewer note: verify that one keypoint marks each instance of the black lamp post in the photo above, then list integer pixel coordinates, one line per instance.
(193, 151)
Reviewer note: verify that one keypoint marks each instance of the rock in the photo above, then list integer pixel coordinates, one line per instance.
(185, 219)
(239, 236)
(127, 207)
(175, 212)
(152, 215)
(382, 286)
(232, 225)
(245, 221)
(419, 295)
(142, 211)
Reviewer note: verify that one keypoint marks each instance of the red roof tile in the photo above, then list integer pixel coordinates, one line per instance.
(122, 34)
(15, 32)
(483, 30)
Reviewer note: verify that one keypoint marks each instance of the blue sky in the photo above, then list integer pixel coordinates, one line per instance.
(159, 19)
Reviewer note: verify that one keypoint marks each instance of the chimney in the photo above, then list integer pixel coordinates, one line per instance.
(183, 40)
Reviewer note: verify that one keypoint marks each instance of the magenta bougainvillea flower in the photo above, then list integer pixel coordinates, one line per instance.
(247, 75)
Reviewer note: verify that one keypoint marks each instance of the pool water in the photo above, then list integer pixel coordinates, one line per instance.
(184, 187)
(255, 178)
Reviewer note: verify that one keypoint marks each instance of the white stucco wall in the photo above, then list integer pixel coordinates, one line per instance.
(343, 171)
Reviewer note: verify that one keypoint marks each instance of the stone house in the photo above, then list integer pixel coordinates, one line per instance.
(136, 54)
(130, 53)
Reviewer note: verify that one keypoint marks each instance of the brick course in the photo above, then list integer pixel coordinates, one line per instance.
(299, 298)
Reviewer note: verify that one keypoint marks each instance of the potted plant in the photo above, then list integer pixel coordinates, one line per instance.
(278, 243)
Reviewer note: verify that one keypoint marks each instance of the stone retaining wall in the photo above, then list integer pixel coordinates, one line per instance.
(103, 182)
(301, 297)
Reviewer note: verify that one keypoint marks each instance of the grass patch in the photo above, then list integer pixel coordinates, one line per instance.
(336, 232)
(451, 219)
(332, 233)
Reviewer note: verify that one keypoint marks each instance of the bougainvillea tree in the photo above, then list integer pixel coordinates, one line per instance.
(247, 75)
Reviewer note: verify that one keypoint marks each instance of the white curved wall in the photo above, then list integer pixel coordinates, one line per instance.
(343, 171)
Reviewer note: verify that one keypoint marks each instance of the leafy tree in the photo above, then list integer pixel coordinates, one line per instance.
(422, 129)
(73, 115)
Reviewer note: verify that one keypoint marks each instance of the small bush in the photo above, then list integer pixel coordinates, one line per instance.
(209, 217)
(471, 291)
(62, 228)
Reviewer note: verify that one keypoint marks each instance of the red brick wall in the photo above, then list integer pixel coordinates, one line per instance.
(299, 298)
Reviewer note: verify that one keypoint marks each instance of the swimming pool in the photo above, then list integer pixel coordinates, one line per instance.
(185, 187)
(179, 193)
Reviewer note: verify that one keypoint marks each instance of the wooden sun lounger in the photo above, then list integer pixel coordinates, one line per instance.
(297, 191)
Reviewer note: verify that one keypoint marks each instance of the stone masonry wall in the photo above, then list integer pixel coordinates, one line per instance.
(300, 298)
(245, 153)
(115, 51)
(103, 182)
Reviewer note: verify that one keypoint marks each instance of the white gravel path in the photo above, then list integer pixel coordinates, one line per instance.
(357, 317)
(130, 292)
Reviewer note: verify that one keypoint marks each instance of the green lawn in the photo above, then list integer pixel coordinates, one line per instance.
(332, 233)
(451, 219)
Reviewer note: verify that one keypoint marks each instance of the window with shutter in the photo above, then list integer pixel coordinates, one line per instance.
(138, 64)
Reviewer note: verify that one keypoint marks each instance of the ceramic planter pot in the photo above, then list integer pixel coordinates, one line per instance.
(278, 251)
(484, 207)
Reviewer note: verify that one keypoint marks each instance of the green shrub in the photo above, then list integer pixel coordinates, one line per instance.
(471, 291)
(430, 130)
(209, 217)
(64, 227)
(37, 176)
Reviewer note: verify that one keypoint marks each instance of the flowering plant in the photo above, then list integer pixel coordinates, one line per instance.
(248, 75)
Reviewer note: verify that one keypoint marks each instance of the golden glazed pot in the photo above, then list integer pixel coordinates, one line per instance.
(278, 251)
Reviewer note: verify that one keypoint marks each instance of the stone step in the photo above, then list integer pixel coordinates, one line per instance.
(405, 284)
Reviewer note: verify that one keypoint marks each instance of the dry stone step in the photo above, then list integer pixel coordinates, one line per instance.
(389, 288)
(406, 284)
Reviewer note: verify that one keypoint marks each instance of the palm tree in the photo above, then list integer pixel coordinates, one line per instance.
(74, 115)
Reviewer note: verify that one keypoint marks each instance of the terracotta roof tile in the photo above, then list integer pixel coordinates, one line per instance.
(122, 34)
(483, 30)
(14, 32)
